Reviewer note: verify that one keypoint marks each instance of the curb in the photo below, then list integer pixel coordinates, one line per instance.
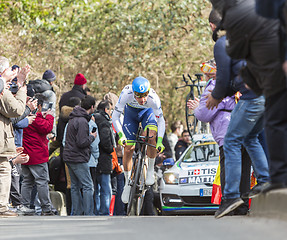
(270, 205)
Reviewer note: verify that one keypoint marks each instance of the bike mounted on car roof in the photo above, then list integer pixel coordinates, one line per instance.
(196, 86)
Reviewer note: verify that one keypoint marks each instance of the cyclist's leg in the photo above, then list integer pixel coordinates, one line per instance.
(130, 126)
(148, 120)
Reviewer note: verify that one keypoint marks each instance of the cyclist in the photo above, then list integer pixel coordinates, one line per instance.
(140, 104)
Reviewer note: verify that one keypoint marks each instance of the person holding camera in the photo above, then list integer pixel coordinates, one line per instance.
(18, 125)
(10, 106)
(35, 144)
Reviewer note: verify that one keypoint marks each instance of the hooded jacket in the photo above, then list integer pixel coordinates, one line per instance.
(78, 138)
(62, 121)
(106, 145)
(77, 91)
(219, 117)
(228, 79)
(255, 39)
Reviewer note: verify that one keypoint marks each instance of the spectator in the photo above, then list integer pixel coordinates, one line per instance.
(245, 125)
(78, 90)
(35, 172)
(44, 87)
(106, 146)
(62, 122)
(112, 98)
(94, 159)
(167, 152)
(276, 123)
(176, 131)
(77, 141)
(182, 144)
(219, 120)
(2, 86)
(10, 106)
(263, 74)
(18, 125)
(119, 209)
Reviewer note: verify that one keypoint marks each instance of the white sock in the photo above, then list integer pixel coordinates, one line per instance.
(151, 162)
(127, 176)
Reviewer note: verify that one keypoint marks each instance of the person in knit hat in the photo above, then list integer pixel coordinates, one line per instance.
(48, 79)
(80, 79)
(78, 90)
(49, 75)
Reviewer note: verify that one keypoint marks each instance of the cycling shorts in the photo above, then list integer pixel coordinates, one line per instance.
(134, 116)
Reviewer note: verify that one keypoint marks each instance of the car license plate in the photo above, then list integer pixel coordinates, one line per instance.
(204, 192)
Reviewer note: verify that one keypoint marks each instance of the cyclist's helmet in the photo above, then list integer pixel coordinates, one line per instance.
(141, 87)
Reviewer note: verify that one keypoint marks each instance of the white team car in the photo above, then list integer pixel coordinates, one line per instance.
(187, 186)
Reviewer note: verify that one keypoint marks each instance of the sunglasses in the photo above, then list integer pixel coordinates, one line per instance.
(141, 95)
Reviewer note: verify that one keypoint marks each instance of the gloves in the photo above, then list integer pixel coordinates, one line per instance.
(159, 145)
(123, 140)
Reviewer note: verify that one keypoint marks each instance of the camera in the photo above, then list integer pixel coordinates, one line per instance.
(46, 106)
(13, 87)
(94, 129)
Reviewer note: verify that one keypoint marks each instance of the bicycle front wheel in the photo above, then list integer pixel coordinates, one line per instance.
(134, 184)
(141, 188)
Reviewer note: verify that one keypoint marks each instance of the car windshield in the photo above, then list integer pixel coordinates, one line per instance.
(202, 152)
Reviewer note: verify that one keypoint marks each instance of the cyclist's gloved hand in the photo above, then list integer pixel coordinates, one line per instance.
(123, 140)
(159, 145)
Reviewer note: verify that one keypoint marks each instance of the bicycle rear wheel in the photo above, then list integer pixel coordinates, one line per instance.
(191, 120)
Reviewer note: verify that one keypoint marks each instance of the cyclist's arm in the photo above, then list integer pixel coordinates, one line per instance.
(158, 113)
(116, 120)
(119, 108)
(161, 124)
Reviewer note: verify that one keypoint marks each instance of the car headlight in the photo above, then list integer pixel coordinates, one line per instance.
(170, 178)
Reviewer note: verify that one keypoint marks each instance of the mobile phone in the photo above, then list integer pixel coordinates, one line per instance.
(46, 106)
(94, 129)
(35, 111)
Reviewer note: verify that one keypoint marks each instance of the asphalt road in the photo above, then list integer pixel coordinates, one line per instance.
(142, 228)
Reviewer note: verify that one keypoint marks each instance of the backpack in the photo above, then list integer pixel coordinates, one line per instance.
(40, 85)
(55, 165)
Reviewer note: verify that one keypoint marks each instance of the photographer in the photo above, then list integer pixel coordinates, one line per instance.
(35, 144)
(10, 106)
(18, 125)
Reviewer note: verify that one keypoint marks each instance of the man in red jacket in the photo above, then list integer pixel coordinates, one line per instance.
(35, 171)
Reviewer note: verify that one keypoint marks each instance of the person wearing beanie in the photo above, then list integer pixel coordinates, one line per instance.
(44, 87)
(80, 79)
(49, 75)
(78, 90)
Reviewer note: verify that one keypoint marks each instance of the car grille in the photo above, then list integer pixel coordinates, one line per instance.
(189, 200)
(172, 200)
